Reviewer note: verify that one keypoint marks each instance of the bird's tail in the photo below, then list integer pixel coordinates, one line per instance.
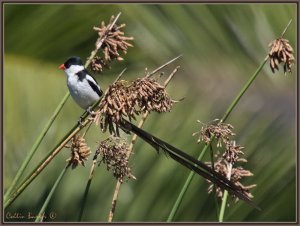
(189, 162)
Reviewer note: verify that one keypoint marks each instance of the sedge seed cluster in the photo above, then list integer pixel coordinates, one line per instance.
(124, 99)
(113, 42)
(281, 52)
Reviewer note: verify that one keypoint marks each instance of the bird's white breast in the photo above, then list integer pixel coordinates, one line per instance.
(81, 91)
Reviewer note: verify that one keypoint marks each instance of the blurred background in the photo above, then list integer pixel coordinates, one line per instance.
(222, 46)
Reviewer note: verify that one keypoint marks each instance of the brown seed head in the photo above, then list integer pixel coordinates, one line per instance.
(221, 131)
(115, 40)
(116, 104)
(221, 166)
(114, 154)
(150, 95)
(281, 52)
(124, 99)
(98, 64)
(232, 152)
(79, 152)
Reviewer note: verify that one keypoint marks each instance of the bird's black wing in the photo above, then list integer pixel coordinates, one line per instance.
(188, 161)
(93, 83)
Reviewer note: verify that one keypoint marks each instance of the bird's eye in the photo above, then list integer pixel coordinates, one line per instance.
(67, 65)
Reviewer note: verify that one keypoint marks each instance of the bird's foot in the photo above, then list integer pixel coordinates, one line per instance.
(89, 110)
(80, 121)
(90, 113)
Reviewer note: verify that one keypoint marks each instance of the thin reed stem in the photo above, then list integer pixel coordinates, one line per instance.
(215, 187)
(134, 137)
(282, 34)
(224, 199)
(35, 147)
(53, 189)
(243, 90)
(162, 66)
(224, 118)
(92, 170)
(10, 197)
(118, 185)
(43, 163)
(87, 188)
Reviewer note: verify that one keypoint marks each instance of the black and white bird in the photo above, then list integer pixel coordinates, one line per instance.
(83, 88)
(85, 91)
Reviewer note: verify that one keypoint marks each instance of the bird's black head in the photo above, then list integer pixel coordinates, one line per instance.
(74, 60)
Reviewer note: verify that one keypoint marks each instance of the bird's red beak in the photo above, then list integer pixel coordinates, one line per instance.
(62, 67)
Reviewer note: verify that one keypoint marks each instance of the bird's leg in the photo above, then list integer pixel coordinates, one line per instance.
(80, 120)
(89, 110)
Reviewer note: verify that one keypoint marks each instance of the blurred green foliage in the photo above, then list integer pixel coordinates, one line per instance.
(222, 45)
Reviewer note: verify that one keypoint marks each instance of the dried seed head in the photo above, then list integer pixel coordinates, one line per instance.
(98, 64)
(79, 152)
(124, 99)
(222, 169)
(150, 95)
(222, 166)
(225, 164)
(221, 131)
(115, 105)
(232, 152)
(113, 151)
(281, 52)
(115, 40)
(238, 173)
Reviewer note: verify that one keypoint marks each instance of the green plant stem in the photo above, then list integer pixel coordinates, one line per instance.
(88, 185)
(215, 187)
(243, 90)
(92, 170)
(35, 146)
(42, 211)
(83, 202)
(11, 197)
(224, 199)
(227, 113)
(134, 137)
(223, 206)
(184, 189)
(41, 166)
